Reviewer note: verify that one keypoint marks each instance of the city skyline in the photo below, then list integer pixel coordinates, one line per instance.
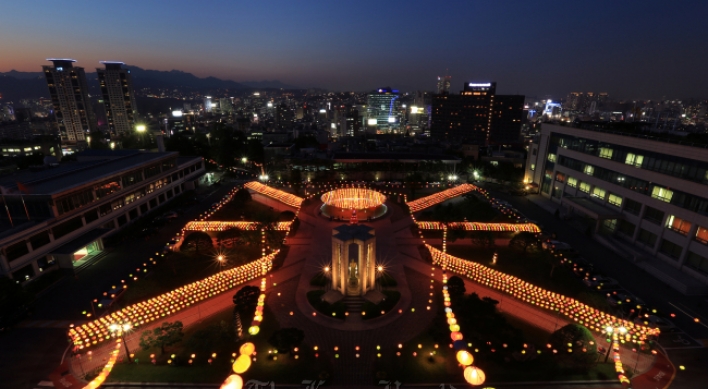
(528, 50)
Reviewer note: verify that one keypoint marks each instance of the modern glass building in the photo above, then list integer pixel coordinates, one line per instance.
(383, 107)
(647, 197)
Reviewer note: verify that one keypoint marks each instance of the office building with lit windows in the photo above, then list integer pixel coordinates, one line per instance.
(70, 101)
(383, 106)
(116, 85)
(477, 115)
(57, 217)
(647, 198)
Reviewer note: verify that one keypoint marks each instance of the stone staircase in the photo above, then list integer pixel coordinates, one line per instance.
(354, 304)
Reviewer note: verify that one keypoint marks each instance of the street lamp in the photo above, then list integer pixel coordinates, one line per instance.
(609, 330)
(221, 259)
(140, 128)
(121, 329)
(244, 160)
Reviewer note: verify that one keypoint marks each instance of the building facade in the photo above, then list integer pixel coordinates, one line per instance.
(116, 85)
(382, 108)
(57, 217)
(70, 100)
(648, 194)
(477, 115)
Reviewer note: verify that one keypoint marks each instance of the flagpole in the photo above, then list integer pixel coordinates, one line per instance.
(7, 209)
(25, 205)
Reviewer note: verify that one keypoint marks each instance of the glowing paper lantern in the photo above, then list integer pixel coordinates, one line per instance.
(247, 349)
(242, 363)
(464, 357)
(474, 376)
(253, 330)
(233, 381)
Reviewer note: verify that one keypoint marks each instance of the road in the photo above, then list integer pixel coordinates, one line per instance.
(28, 354)
(685, 345)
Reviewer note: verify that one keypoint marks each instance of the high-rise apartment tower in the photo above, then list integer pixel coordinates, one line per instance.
(70, 99)
(118, 96)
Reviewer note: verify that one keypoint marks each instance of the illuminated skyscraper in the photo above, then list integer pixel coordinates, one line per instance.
(444, 84)
(118, 96)
(382, 107)
(70, 100)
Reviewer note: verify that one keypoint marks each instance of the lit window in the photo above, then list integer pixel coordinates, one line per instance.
(551, 157)
(615, 200)
(662, 194)
(585, 187)
(599, 193)
(634, 160)
(589, 170)
(702, 234)
(606, 152)
(679, 225)
(572, 182)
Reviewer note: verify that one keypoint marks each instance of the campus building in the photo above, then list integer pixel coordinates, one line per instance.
(648, 198)
(56, 217)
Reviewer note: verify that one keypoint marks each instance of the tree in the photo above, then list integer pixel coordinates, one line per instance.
(210, 338)
(456, 287)
(163, 336)
(482, 238)
(242, 196)
(523, 240)
(245, 301)
(576, 347)
(13, 295)
(230, 235)
(197, 239)
(286, 339)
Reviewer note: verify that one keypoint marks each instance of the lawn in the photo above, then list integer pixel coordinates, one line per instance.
(249, 210)
(181, 268)
(215, 335)
(534, 267)
(442, 366)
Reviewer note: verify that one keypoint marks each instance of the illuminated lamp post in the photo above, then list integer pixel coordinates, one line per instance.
(221, 259)
(121, 329)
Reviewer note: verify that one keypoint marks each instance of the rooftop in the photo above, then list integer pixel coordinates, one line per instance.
(68, 175)
(640, 130)
(373, 157)
(347, 232)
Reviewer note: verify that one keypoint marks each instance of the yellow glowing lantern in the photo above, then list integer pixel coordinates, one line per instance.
(464, 357)
(247, 349)
(242, 363)
(474, 375)
(454, 328)
(233, 381)
(253, 330)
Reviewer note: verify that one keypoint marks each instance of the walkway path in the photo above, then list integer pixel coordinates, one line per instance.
(310, 251)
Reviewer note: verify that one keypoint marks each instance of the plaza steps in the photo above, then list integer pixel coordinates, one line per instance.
(353, 303)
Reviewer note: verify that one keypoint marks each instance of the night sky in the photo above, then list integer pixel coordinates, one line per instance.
(631, 49)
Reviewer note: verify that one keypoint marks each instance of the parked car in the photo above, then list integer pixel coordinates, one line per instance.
(148, 231)
(600, 282)
(555, 244)
(616, 298)
(653, 321)
(9, 319)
